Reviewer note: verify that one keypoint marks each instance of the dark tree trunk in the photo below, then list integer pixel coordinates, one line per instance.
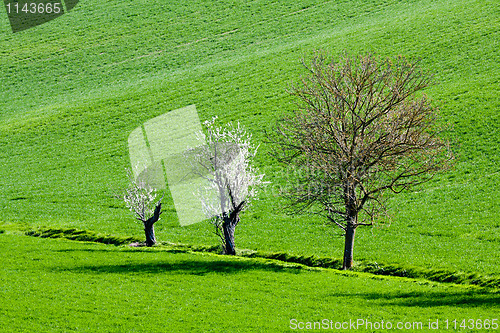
(349, 246)
(149, 230)
(229, 222)
(228, 227)
(149, 225)
(351, 224)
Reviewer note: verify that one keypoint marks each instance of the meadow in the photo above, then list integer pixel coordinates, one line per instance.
(73, 89)
(62, 286)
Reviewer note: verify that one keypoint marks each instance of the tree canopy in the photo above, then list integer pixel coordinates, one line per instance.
(360, 128)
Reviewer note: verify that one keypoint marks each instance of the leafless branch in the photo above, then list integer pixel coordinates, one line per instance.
(359, 129)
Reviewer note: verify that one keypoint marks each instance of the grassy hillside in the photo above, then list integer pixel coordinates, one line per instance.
(72, 90)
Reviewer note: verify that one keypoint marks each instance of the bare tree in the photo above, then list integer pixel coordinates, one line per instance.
(140, 199)
(223, 160)
(359, 129)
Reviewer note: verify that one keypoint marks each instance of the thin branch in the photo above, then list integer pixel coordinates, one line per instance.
(335, 222)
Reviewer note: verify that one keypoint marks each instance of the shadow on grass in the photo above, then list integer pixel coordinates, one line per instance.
(477, 298)
(121, 250)
(84, 250)
(192, 267)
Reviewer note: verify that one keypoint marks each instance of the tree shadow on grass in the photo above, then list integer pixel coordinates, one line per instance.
(192, 267)
(84, 250)
(122, 250)
(465, 299)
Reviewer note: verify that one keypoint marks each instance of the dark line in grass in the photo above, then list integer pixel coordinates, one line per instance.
(18, 198)
(81, 235)
(146, 140)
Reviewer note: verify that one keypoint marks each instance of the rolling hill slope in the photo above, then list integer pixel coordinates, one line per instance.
(73, 89)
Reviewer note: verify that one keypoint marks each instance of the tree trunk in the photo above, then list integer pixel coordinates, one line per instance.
(228, 227)
(349, 246)
(149, 230)
(149, 225)
(351, 224)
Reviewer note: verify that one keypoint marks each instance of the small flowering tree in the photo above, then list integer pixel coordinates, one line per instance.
(224, 161)
(140, 199)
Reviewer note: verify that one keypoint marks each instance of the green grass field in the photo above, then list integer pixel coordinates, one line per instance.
(73, 89)
(61, 286)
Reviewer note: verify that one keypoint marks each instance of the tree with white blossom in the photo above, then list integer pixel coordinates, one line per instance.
(140, 199)
(223, 160)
